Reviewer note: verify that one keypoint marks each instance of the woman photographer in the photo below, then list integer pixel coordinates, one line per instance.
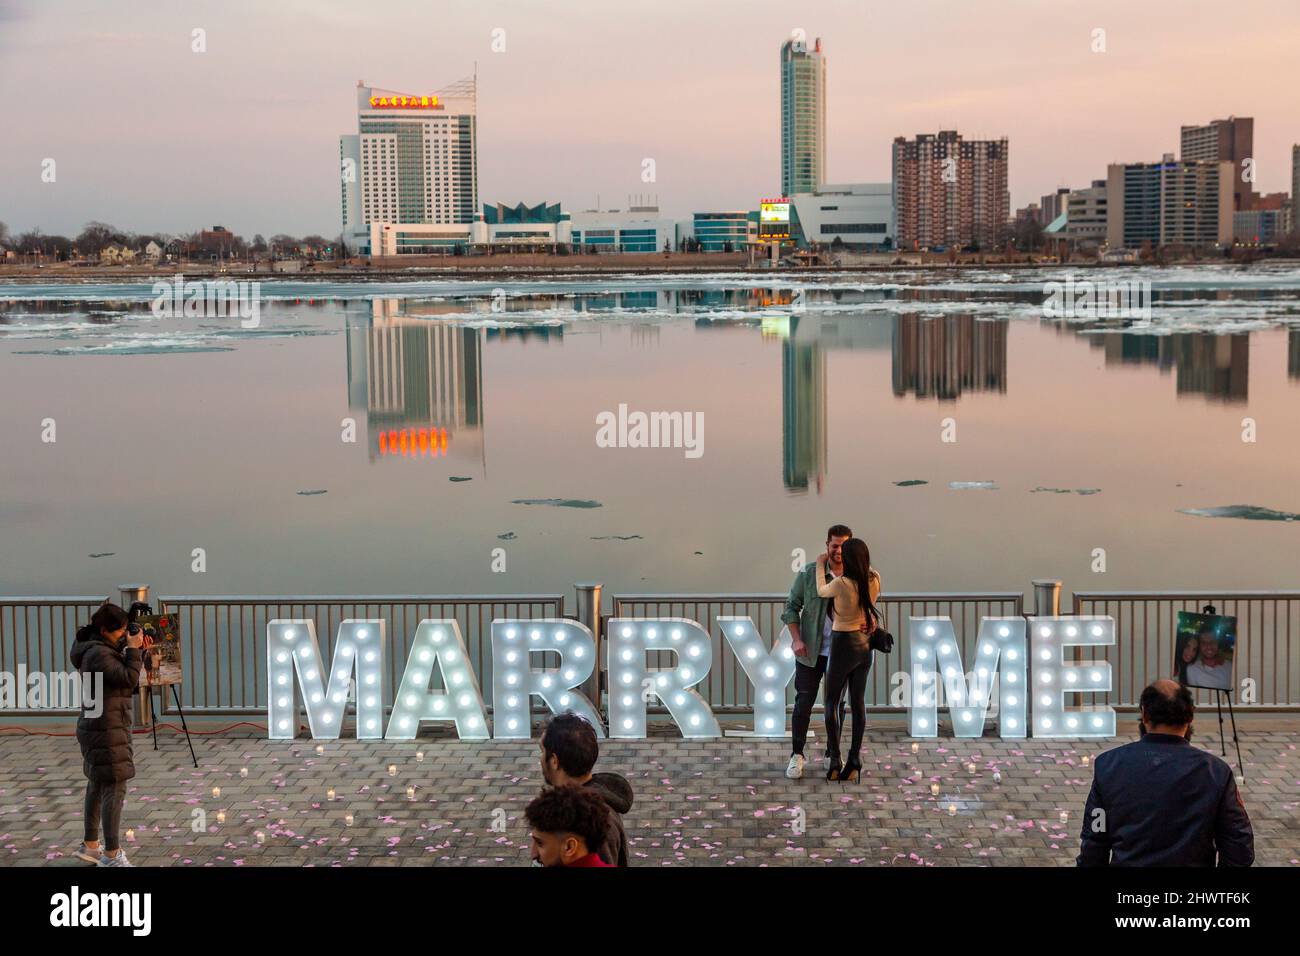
(108, 656)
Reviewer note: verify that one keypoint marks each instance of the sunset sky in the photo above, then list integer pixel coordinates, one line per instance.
(151, 136)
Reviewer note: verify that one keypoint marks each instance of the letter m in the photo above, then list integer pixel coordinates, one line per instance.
(293, 651)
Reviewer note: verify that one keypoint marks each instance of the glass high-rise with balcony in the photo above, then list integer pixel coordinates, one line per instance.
(803, 117)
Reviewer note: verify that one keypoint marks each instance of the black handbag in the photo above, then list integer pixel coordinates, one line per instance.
(881, 640)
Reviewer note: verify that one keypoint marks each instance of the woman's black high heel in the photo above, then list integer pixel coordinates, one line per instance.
(834, 772)
(852, 770)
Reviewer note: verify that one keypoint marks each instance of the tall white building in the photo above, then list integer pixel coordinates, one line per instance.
(413, 160)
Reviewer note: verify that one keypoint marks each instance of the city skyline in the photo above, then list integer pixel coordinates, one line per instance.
(149, 135)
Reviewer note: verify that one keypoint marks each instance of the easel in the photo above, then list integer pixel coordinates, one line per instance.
(147, 689)
(1220, 695)
(165, 675)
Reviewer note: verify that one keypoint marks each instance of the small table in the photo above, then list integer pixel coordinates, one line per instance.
(169, 675)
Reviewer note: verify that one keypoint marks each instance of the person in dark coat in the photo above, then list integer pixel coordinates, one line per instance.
(109, 659)
(569, 751)
(1162, 802)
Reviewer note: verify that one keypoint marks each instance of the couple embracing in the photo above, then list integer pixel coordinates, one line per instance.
(832, 617)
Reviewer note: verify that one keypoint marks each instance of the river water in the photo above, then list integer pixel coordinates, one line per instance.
(975, 442)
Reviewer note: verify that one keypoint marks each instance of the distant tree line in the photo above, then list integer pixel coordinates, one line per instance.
(96, 236)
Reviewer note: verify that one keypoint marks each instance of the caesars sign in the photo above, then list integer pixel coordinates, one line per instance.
(1028, 698)
(774, 218)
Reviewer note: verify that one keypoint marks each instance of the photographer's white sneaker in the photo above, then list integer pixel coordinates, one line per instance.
(119, 860)
(794, 769)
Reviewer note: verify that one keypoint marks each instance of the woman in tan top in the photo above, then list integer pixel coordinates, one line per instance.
(854, 595)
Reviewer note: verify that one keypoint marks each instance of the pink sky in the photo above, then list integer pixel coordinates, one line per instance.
(149, 135)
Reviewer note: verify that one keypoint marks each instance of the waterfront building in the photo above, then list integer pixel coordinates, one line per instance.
(1086, 222)
(1185, 203)
(1258, 227)
(412, 161)
(852, 215)
(1227, 140)
(639, 229)
(803, 116)
(949, 192)
(720, 231)
(1031, 213)
(1053, 205)
(1295, 188)
(544, 225)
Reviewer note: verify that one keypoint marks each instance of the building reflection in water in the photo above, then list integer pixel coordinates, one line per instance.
(1215, 366)
(807, 339)
(945, 356)
(419, 378)
(803, 413)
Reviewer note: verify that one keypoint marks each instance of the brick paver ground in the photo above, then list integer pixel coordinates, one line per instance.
(711, 803)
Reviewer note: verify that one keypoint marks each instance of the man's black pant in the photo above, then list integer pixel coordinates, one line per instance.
(806, 682)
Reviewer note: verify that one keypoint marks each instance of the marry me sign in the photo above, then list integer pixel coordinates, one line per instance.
(1039, 698)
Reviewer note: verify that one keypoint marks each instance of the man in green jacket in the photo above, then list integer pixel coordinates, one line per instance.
(809, 620)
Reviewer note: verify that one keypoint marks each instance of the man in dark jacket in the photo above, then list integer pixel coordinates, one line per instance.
(1162, 802)
(104, 651)
(569, 752)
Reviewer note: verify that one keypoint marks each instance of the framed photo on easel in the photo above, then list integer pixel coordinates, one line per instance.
(1204, 648)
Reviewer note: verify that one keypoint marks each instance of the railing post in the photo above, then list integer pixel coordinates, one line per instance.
(1047, 597)
(589, 614)
(128, 594)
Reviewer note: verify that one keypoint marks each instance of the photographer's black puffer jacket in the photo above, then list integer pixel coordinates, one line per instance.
(106, 740)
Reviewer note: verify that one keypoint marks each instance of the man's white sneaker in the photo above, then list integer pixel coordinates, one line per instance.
(794, 769)
(119, 860)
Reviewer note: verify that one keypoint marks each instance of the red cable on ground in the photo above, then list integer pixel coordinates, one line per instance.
(139, 730)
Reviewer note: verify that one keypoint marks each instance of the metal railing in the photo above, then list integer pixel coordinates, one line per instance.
(1267, 649)
(224, 638)
(36, 633)
(727, 689)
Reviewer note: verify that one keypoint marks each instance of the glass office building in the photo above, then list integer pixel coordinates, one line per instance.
(803, 117)
(723, 231)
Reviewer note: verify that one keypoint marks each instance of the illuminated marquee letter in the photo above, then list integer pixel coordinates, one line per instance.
(936, 651)
(515, 681)
(291, 647)
(632, 683)
(769, 672)
(1054, 678)
(438, 644)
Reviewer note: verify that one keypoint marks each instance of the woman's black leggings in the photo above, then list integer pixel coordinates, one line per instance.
(104, 802)
(850, 663)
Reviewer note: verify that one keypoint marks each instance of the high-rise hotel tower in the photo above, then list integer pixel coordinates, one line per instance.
(413, 159)
(803, 117)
